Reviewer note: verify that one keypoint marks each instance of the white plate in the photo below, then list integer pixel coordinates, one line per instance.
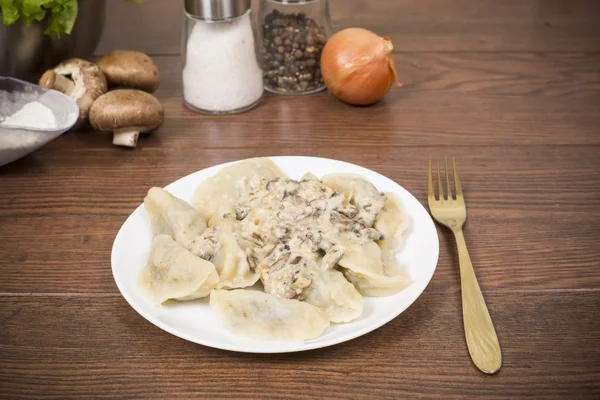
(195, 320)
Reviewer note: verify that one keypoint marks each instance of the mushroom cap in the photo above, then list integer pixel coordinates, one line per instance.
(130, 68)
(127, 109)
(89, 83)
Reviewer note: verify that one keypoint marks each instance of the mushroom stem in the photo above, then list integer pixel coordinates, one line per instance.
(52, 80)
(126, 137)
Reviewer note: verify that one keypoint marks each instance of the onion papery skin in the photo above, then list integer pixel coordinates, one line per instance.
(358, 66)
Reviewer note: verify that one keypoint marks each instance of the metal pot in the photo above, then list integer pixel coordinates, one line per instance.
(25, 51)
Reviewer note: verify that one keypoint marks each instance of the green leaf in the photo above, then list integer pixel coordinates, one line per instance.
(63, 18)
(33, 10)
(10, 12)
(62, 13)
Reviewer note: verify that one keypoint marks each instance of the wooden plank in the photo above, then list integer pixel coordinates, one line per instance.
(533, 211)
(459, 99)
(98, 347)
(413, 25)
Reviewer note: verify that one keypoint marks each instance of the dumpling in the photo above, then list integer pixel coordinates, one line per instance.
(173, 272)
(333, 294)
(174, 217)
(363, 194)
(365, 257)
(378, 285)
(220, 244)
(264, 316)
(364, 268)
(391, 223)
(219, 194)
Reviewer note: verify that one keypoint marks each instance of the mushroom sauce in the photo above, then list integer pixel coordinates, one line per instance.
(287, 228)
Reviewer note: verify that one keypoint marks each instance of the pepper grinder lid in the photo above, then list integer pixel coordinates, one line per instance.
(217, 10)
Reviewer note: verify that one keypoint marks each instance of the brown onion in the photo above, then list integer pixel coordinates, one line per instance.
(358, 66)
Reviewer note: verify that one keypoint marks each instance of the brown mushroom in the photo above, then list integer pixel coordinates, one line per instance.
(126, 113)
(81, 80)
(128, 68)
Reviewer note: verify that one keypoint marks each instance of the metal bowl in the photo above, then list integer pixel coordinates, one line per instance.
(25, 51)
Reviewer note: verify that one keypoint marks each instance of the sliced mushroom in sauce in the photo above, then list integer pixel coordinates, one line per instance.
(297, 226)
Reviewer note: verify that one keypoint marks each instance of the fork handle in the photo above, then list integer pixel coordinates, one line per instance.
(482, 341)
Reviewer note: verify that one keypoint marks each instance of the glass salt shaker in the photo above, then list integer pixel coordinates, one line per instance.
(293, 34)
(221, 71)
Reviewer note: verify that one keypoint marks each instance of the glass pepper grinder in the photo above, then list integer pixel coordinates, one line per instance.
(221, 69)
(293, 34)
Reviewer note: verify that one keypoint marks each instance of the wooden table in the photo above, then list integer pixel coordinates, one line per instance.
(510, 88)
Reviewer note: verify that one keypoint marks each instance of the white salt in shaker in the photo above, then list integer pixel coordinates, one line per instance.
(221, 73)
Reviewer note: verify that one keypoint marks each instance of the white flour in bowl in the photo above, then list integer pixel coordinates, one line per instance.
(33, 115)
(18, 130)
(29, 119)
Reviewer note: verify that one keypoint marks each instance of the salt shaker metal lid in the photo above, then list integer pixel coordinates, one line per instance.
(217, 10)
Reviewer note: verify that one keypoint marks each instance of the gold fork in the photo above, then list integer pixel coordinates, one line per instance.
(479, 330)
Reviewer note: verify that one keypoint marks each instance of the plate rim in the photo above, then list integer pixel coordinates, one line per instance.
(292, 346)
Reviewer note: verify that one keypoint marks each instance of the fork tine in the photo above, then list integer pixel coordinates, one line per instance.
(430, 192)
(440, 187)
(448, 186)
(458, 189)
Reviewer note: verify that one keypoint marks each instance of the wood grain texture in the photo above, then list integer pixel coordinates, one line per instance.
(413, 25)
(535, 225)
(478, 99)
(100, 348)
(511, 88)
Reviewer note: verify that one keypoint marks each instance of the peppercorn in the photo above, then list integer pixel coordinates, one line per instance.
(291, 51)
